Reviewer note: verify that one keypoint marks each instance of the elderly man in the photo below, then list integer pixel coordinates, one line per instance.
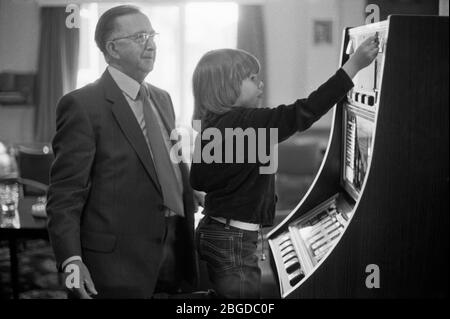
(121, 214)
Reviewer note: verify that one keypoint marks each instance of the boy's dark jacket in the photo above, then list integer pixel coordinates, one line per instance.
(238, 190)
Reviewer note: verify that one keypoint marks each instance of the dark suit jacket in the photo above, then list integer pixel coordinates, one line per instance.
(104, 200)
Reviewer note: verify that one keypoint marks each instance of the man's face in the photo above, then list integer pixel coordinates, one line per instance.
(135, 59)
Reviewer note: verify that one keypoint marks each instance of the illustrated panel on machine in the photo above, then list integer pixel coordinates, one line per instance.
(359, 131)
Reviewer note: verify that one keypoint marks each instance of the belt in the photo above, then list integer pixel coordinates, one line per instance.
(237, 223)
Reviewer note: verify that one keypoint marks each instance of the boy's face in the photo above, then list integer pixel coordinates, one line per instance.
(251, 92)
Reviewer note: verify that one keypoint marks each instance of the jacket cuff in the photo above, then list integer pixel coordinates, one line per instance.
(68, 260)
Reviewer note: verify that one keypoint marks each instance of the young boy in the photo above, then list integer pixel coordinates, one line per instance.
(239, 198)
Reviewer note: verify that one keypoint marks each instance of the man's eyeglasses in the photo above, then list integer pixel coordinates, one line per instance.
(140, 38)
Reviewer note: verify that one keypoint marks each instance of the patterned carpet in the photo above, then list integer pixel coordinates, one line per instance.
(38, 278)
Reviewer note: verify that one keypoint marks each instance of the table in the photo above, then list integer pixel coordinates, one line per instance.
(30, 228)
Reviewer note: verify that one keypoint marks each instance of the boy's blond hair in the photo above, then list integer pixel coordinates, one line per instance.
(217, 80)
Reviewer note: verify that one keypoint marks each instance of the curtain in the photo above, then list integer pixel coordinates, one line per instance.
(251, 37)
(57, 70)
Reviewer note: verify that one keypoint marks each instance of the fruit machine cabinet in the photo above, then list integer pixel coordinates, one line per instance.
(375, 221)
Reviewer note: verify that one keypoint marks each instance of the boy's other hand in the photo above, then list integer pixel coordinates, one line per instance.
(363, 56)
(199, 199)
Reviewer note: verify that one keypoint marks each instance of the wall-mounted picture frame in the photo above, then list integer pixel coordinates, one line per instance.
(323, 32)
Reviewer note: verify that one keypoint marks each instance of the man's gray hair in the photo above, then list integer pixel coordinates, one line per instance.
(106, 24)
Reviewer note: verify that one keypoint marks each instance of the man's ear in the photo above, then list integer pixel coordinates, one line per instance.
(111, 50)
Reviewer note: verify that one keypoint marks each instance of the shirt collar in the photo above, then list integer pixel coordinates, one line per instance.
(128, 85)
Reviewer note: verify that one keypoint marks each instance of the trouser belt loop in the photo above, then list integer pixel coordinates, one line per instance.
(227, 226)
(263, 252)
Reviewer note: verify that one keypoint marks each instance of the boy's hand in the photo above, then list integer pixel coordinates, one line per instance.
(199, 199)
(366, 52)
(364, 55)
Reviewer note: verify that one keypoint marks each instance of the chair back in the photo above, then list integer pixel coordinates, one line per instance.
(34, 162)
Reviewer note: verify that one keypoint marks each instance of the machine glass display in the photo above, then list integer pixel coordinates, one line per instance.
(357, 150)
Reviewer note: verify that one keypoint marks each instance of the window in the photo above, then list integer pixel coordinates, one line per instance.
(186, 32)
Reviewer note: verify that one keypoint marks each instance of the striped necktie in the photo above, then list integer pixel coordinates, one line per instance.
(171, 189)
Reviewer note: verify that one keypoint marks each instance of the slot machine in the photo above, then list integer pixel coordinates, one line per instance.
(375, 221)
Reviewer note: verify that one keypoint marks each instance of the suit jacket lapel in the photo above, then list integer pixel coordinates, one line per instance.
(130, 128)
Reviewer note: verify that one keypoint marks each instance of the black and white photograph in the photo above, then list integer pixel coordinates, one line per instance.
(231, 156)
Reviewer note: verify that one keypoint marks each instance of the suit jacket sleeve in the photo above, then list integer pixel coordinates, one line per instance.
(74, 148)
